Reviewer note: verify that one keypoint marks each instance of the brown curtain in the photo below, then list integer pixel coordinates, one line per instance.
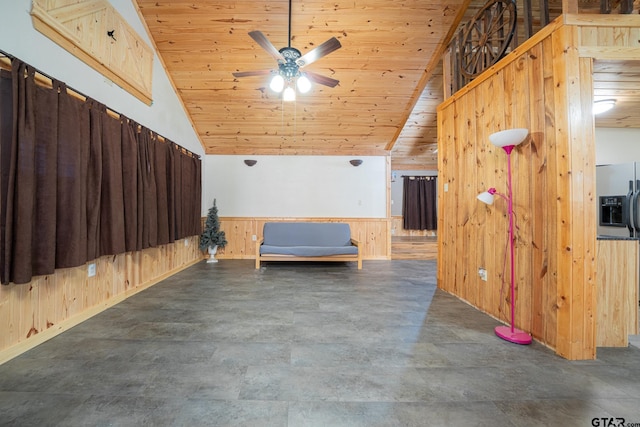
(6, 132)
(112, 239)
(161, 156)
(146, 142)
(77, 183)
(94, 178)
(30, 204)
(419, 203)
(72, 192)
(177, 192)
(132, 186)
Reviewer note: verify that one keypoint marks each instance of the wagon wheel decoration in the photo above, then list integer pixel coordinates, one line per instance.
(487, 36)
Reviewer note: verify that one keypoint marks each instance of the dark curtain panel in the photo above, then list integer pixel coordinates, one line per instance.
(171, 192)
(30, 220)
(146, 142)
(112, 201)
(132, 191)
(196, 212)
(419, 203)
(73, 151)
(44, 179)
(94, 178)
(177, 192)
(188, 192)
(77, 183)
(6, 132)
(161, 155)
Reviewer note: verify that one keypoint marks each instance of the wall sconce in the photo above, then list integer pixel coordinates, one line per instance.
(507, 140)
(355, 162)
(250, 162)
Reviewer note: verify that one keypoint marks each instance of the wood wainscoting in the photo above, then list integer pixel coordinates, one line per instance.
(374, 235)
(414, 247)
(397, 229)
(412, 244)
(35, 312)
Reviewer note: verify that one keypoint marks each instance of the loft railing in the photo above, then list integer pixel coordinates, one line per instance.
(493, 29)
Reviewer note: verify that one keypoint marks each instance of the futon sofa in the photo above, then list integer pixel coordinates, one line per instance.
(307, 241)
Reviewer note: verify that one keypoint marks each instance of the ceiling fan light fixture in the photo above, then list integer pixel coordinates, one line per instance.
(277, 83)
(289, 94)
(303, 84)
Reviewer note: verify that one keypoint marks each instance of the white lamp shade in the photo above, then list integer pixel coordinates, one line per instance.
(303, 83)
(277, 83)
(486, 197)
(289, 94)
(508, 137)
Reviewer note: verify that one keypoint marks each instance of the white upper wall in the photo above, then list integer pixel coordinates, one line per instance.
(617, 145)
(296, 186)
(165, 116)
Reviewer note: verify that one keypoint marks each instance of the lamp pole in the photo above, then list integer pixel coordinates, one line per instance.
(511, 334)
(507, 140)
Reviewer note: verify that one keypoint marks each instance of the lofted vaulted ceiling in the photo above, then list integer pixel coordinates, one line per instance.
(389, 70)
(388, 55)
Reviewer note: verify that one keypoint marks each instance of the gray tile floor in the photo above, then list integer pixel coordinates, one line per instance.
(307, 345)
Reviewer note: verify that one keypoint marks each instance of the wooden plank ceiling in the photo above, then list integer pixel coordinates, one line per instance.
(388, 67)
(387, 54)
(618, 80)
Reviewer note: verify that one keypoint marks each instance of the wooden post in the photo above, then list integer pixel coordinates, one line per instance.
(569, 6)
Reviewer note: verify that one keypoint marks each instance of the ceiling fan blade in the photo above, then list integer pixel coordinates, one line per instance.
(320, 51)
(320, 79)
(251, 73)
(262, 40)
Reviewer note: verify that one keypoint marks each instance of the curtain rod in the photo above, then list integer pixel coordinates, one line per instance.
(4, 54)
(419, 176)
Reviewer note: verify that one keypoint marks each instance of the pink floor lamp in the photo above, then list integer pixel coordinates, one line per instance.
(507, 140)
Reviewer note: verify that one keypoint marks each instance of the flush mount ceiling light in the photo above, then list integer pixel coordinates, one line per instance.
(355, 162)
(250, 162)
(603, 105)
(290, 60)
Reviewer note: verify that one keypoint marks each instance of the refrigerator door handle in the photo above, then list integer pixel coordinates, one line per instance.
(634, 208)
(628, 211)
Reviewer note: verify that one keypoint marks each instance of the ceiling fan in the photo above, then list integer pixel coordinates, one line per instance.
(290, 63)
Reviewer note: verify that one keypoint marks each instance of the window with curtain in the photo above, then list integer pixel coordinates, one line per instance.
(79, 182)
(419, 210)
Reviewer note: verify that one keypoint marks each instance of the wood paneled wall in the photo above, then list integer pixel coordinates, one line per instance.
(373, 233)
(546, 87)
(397, 229)
(35, 312)
(617, 311)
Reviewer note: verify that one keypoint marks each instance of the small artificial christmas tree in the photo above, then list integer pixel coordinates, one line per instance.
(212, 237)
